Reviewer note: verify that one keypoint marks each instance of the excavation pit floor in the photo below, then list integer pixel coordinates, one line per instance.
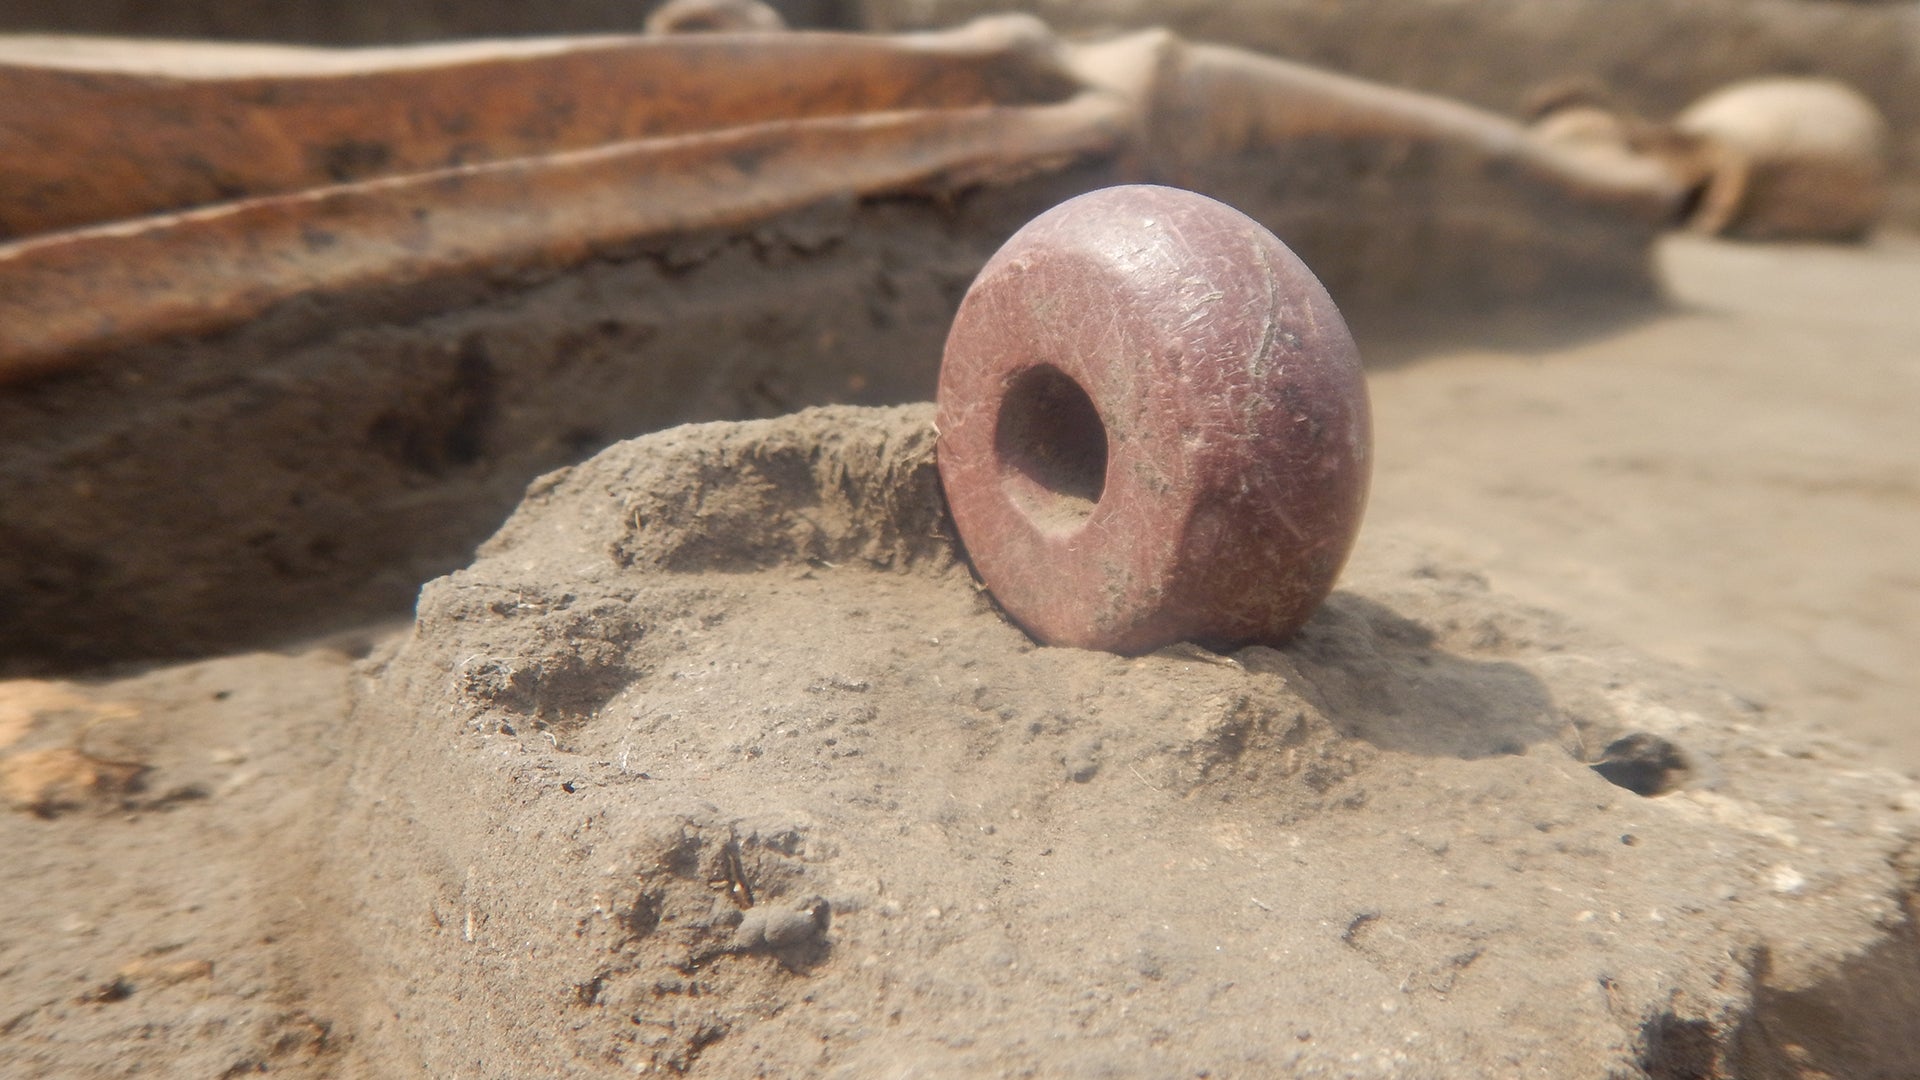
(718, 760)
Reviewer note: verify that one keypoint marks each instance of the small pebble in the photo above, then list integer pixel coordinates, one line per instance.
(783, 927)
(1785, 879)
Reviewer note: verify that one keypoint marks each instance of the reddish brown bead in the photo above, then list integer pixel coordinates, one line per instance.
(1153, 426)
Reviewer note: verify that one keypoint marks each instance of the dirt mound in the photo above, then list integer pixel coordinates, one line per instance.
(717, 759)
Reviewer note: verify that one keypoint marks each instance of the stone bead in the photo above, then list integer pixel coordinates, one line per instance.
(1153, 426)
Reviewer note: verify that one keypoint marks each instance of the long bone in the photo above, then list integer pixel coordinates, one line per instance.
(160, 190)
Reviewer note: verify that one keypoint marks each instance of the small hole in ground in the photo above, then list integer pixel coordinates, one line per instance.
(1052, 447)
(1643, 764)
(1673, 1048)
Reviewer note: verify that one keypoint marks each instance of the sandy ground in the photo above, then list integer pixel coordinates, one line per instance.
(716, 761)
(224, 868)
(1734, 486)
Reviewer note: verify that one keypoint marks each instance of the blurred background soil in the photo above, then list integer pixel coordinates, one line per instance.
(1734, 485)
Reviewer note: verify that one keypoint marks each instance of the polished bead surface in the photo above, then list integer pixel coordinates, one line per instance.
(1153, 426)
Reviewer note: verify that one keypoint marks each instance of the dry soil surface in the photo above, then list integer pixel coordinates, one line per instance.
(1734, 486)
(717, 761)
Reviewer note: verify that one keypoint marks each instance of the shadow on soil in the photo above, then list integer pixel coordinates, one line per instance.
(1380, 676)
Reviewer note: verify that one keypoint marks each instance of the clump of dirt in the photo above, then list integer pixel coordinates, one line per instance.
(718, 760)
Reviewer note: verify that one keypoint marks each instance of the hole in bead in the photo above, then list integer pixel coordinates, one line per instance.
(1052, 447)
